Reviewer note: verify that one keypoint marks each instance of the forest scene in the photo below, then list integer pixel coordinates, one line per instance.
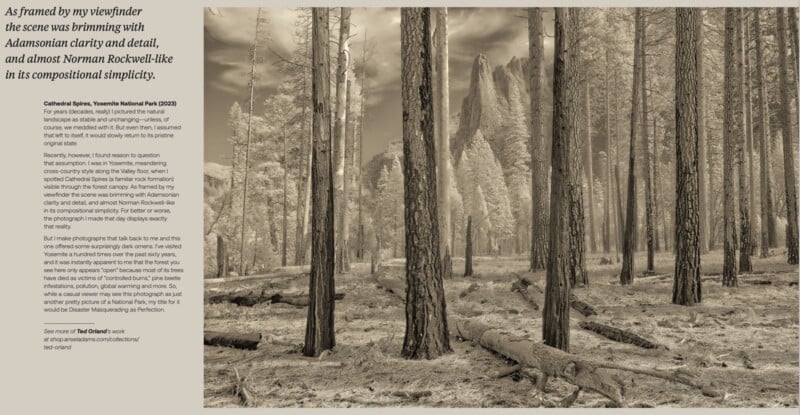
(499, 207)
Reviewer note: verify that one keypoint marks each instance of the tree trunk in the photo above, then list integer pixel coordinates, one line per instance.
(339, 136)
(751, 172)
(426, 322)
(468, 250)
(539, 167)
(362, 120)
(285, 224)
(608, 191)
(788, 149)
(713, 220)
(443, 172)
(704, 201)
(303, 170)
(686, 288)
(745, 249)
(619, 208)
(344, 238)
(587, 142)
(763, 122)
(254, 60)
(577, 222)
(555, 331)
(222, 257)
(626, 276)
(731, 132)
(648, 184)
(656, 183)
(319, 326)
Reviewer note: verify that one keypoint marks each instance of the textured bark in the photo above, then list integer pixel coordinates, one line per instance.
(704, 202)
(628, 242)
(617, 164)
(587, 142)
(552, 362)
(468, 250)
(539, 165)
(577, 220)
(581, 306)
(442, 127)
(761, 107)
(787, 133)
(319, 325)
(618, 335)
(745, 249)
(339, 137)
(608, 190)
(731, 132)
(555, 331)
(426, 334)
(222, 257)
(648, 181)
(686, 288)
(751, 172)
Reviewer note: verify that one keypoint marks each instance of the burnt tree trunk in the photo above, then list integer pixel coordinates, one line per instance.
(555, 331)
(539, 166)
(731, 133)
(319, 325)
(628, 242)
(468, 250)
(745, 249)
(686, 288)
(787, 133)
(655, 182)
(426, 323)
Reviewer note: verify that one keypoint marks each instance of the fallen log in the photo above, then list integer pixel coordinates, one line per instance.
(522, 288)
(549, 360)
(581, 372)
(581, 306)
(250, 298)
(247, 341)
(289, 272)
(616, 334)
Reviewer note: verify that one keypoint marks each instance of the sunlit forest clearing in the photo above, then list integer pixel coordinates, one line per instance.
(607, 217)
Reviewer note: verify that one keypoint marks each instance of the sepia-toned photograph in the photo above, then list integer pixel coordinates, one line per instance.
(501, 207)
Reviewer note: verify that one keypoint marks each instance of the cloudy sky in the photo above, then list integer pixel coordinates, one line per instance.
(500, 33)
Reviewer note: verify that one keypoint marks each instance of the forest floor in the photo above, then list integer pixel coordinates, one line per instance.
(743, 340)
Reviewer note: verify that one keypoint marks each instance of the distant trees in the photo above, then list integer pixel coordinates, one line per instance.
(761, 108)
(686, 288)
(426, 324)
(648, 188)
(319, 325)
